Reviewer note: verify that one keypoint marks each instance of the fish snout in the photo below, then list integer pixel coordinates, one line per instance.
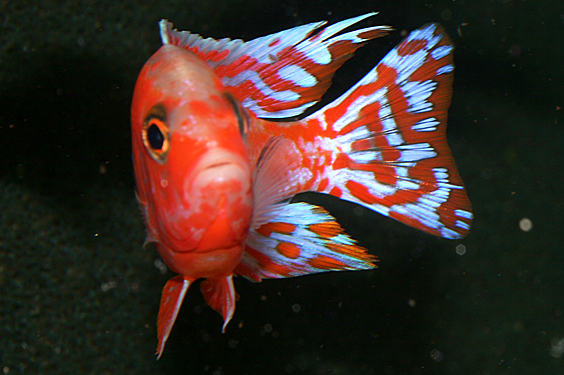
(221, 172)
(220, 192)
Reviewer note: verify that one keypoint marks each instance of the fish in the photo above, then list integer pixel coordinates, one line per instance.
(222, 143)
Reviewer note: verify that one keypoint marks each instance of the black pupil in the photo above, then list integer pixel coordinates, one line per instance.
(155, 137)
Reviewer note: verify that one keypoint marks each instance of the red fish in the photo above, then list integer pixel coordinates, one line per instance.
(215, 175)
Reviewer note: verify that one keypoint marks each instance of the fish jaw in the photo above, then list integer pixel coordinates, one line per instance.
(218, 262)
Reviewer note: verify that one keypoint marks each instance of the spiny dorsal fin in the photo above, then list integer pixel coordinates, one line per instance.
(282, 74)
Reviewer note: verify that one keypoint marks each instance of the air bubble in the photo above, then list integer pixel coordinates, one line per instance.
(437, 355)
(525, 224)
(460, 249)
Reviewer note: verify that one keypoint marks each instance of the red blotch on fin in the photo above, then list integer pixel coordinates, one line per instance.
(342, 161)
(266, 263)
(289, 250)
(326, 229)
(336, 192)
(278, 227)
(326, 263)
(354, 251)
(360, 192)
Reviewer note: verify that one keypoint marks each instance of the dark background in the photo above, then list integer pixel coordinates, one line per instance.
(78, 295)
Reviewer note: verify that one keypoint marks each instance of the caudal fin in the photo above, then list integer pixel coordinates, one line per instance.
(390, 133)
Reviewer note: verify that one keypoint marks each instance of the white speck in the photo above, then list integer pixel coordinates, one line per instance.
(411, 302)
(437, 355)
(164, 183)
(296, 307)
(107, 286)
(557, 348)
(268, 327)
(159, 264)
(460, 249)
(525, 224)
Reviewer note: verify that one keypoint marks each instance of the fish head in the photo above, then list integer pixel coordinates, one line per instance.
(194, 178)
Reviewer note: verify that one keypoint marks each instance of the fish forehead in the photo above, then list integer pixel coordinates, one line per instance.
(192, 95)
(177, 70)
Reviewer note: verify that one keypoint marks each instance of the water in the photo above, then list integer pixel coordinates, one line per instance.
(80, 296)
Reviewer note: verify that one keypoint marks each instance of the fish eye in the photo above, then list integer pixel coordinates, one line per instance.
(155, 134)
(155, 137)
(240, 113)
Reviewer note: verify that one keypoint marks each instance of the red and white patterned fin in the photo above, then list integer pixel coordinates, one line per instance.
(171, 300)
(391, 152)
(220, 295)
(300, 239)
(282, 74)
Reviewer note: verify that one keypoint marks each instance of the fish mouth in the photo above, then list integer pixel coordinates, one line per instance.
(218, 164)
(214, 204)
(219, 168)
(222, 184)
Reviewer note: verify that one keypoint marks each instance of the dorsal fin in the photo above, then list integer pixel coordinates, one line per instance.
(282, 74)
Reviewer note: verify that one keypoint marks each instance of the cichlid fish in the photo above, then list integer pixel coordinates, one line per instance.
(215, 175)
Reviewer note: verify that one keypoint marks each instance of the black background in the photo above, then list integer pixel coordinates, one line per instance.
(80, 296)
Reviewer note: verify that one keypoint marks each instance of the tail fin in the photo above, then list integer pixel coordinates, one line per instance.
(390, 130)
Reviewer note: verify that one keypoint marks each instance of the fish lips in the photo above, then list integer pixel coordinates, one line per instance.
(221, 187)
(222, 169)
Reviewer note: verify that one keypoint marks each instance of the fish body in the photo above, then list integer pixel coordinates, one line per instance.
(215, 175)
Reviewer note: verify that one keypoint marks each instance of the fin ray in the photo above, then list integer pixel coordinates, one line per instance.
(392, 154)
(220, 295)
(173, 294)
(282, 74)
(300, 239)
